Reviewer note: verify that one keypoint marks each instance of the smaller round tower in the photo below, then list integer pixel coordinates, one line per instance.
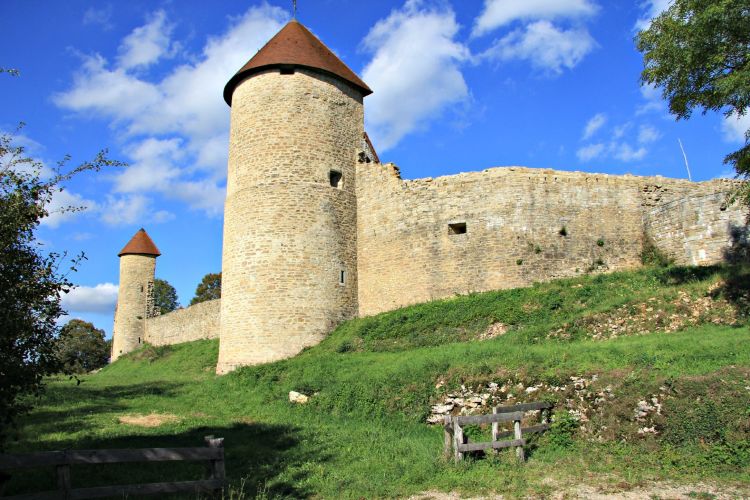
(135, 299)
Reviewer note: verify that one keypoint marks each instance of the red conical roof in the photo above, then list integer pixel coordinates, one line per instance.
(140, 244)
(294, 45)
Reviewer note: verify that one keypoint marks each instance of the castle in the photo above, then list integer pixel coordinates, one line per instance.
(318, 231)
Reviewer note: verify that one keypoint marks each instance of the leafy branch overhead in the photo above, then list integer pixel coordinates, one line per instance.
(698, 52)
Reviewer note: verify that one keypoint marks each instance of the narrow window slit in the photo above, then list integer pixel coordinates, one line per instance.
(336, 179)
(457, 228)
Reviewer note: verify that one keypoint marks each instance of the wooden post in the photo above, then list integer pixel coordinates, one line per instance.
(447, 436)
(63, 480)
(458, 438)
(517, 435)
(495, 425)
(217, 465)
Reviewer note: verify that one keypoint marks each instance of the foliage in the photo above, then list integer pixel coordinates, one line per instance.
(563, 429)
(165, 297)
(81, 347)
(697, 52)
(208, 289)
(31, 280)
(652, 256)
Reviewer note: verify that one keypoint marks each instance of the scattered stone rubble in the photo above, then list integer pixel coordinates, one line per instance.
(584, 397)
(298, 397)
(654, 315)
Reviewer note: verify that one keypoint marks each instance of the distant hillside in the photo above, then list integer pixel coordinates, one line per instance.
(649, 371)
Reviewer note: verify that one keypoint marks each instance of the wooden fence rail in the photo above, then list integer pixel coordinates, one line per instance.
(213, 454)
(456, 441)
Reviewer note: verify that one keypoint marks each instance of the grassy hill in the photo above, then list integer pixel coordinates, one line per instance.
(601, 347)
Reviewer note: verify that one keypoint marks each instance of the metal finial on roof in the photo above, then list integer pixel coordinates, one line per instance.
(294, 8)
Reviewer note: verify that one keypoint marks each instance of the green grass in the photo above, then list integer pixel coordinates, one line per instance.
(363, 432)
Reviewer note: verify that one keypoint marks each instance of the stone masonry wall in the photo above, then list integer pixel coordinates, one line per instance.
(514, 218)
(288, 233)
(197, 322)
(700, 228)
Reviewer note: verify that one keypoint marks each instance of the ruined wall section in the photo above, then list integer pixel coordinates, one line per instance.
(197, 322)
(408, 252)
(699, 227)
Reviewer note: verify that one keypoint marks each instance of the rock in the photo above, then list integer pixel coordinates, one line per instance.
(298, 397)
(529, 390)
(442, 409)
(435, 419)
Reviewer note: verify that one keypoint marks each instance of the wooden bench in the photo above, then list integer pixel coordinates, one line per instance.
(456, 443)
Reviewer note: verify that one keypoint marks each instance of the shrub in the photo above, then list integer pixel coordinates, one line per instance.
(563, 428)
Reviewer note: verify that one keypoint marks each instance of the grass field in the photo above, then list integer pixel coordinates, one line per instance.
(681, 333)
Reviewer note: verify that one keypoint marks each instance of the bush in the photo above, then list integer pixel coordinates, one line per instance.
(563, 428)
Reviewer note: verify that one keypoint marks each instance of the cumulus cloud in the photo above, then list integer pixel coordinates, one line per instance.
(648, 134)
(414, 53)
(594, 124)
(590, 152)
(65, 206)
(545, 46)
(735, 126)
(147, 44)
(651, 9)
(100, 298)
(653, 101)
(121, 210)
(99, 17)
(498, 13)
(176, 124)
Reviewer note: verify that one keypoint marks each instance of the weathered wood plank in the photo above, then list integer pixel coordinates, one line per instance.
(447, 436)
(458, 439)
(41, 459)
(524, 407)
(44, 495)
(204, 486)
(496, 445)
(63, 480)
(525, 430)
(495, 426)
(488, 419)
(517, 434)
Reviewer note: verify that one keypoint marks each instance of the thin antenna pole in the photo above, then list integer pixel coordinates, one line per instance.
(685, 156)
(294, 8)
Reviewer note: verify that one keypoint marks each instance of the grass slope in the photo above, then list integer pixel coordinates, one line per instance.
(374, 379)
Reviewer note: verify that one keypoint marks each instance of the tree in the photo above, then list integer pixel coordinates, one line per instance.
(208, 289)
(81, 347)
(698, 52)
(31, 280)
(165, 297)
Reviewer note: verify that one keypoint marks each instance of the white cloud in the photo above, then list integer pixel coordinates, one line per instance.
(546, 46)
(654, 101)
(415, 53)
(627, 153)
(497, 13)
(146, 44)
(97, 299)
(183, 108)
(121, 210)
(99, 16)
(648, 134)
(65, 206)
(594, 124)
(651, 9)
(735, 126)
(590, 152)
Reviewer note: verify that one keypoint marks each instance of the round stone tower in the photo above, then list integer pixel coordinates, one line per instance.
(289, 268)
(135, 299)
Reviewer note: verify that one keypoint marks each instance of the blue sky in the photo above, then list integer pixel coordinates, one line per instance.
(458, 86)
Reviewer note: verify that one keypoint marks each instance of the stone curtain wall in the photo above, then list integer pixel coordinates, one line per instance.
(197, 322)
(701, 227)
(514, 218)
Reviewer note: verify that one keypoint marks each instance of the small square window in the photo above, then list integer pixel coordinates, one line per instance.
(336, 178)
(457, 228)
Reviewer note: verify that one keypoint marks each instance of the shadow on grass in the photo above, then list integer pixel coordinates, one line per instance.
(73, 417)
(258, 460)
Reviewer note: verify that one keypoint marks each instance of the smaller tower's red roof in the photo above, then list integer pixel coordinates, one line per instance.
(140, 244)
(294, 45)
